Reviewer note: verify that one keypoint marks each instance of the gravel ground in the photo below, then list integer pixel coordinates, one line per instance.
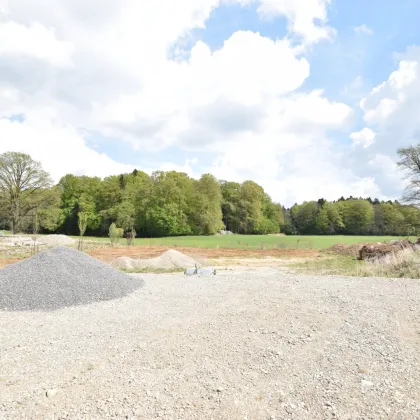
(58, 278)
(256, 344)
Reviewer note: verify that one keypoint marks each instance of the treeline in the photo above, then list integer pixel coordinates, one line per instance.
(352, 216)
(173, 204)
(163, 204)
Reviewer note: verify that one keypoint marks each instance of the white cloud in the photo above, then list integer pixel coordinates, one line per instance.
(365, 137)
(390, 112)
(60, 148)
(363, 29)
(307, 18)
(34, 41)
(103, 66)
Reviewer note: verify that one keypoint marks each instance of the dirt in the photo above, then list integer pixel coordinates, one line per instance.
(7, 261)
(254, 344)
(139, 252)
(345, 249)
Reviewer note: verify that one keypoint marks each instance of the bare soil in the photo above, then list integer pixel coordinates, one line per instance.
(111, 254)
(7, 261)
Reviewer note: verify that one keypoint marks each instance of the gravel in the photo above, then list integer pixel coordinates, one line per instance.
(60, 277)
(257, 344)
(169, 260)
(57, 240)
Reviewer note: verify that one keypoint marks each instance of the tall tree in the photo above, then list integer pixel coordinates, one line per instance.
(409, 163)
(24, 186)
(329, 221)
(357, 216)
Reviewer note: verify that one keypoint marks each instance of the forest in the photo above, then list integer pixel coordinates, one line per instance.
(173, 204)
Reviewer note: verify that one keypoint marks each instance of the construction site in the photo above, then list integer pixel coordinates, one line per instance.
(122, 332)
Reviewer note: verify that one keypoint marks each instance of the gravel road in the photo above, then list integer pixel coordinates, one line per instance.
(256, 344)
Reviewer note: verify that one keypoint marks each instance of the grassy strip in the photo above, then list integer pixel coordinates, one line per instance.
(253, 242)
(404, 264)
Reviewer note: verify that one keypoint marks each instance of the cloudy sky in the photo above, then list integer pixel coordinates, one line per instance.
(310, 98)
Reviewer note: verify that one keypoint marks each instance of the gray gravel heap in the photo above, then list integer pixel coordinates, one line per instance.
(58, 278)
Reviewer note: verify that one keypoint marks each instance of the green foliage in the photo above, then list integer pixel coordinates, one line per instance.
(205, 208)
(171, 203)
(357, 216)
(83, 221)
(24, 187)
(305, 216)
(115, 234)
(329, 221)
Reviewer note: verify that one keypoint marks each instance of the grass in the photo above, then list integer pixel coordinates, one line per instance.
(253, 241)
(332, 265)
(403, 264)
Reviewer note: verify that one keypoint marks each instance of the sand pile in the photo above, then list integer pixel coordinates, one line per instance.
(57, 240)
(167, 261)
(58, 278)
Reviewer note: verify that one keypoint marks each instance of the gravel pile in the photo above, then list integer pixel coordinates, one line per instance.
(169, 260)
(57, 240)
(58, 278)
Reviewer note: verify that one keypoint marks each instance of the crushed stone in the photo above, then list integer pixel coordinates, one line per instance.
(169, 260)
(58, 278)
(57, 240)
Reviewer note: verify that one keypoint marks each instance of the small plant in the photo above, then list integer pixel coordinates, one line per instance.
(130, 236)
(82, 222)
(35, 246)
(115, 234)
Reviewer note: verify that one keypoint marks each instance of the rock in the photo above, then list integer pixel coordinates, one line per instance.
(51, 393)
(367, 384)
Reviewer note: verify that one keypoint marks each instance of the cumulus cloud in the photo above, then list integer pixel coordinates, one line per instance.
(75, 67)
(60, 148)
(389, 112)
(34, 41)
(363, 29)
(365, 137)
(307, 18)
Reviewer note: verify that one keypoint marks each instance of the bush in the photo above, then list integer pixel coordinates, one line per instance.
(115, 234)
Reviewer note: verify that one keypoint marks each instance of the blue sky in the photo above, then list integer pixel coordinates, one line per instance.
(180, 85)
(345, 68)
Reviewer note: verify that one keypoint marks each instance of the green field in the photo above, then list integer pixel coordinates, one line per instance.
(255, 241)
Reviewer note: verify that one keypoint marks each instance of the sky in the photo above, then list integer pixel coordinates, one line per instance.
(309, 98)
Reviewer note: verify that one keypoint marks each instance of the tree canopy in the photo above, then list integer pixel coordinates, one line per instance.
(24, 187)
(172, 204)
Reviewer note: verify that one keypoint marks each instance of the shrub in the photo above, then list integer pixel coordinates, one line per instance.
(115, 234)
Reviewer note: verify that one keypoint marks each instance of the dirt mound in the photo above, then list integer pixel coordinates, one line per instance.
(348, 250)
(58, 278)
(57, 240)
(369, 252)
(167, 261)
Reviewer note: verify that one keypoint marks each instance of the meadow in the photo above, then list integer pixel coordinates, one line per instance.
(254, 241)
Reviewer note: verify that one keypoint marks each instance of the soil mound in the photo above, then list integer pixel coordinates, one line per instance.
(369, 252)
(58, 278)
(348, 250)
(167, 261)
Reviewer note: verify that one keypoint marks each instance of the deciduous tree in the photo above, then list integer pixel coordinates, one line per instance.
(24, 187)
